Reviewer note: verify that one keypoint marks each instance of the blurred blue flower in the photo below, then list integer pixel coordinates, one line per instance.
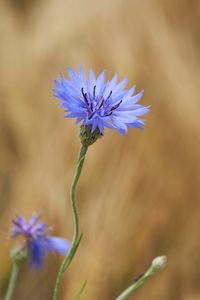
(36, 238)
(100, 103)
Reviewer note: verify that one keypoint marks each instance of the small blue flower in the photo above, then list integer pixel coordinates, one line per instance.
(37, 240)
(100, 103)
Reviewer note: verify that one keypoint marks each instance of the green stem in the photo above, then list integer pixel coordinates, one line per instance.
(132, 288)
(13, 279)
(76, 238)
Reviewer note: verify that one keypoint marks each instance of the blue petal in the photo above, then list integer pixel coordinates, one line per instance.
(120, 125)
(100, 124)
(38, 252)
(139, 123)
(100, 85)
(137, 97)
(113, 81)
(19, 226)
(120, 86)
(94, 125)
(74, 77)
(58, 244)
(92, 78)
(32, 222)
(83, 81)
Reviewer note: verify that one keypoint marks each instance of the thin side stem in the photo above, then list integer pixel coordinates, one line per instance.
(76, 238)
(132, 288)
(13, 279)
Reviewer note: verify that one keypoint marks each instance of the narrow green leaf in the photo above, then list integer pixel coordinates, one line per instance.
(80, 292)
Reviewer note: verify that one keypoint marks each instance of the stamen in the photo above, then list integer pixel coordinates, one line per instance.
(90, 117)
(84, 96)
(102, 102)
(108, 114)
(116, 106)
(91, 106)
(94, 91)
(109, 95)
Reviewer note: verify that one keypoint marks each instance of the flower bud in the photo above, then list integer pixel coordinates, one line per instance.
(87, 136)
(19, 254)
(159, 263)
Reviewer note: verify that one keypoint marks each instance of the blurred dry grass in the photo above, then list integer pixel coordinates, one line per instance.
(139, 195)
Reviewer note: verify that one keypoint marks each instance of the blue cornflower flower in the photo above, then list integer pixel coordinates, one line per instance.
(37, 240)
(100, 103)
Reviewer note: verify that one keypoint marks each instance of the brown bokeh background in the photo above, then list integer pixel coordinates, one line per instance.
(138, 196)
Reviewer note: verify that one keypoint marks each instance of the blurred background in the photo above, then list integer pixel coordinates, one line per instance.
(138, 196)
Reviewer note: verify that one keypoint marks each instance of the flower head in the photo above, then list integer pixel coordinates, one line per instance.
(99, 103)
(37, 240)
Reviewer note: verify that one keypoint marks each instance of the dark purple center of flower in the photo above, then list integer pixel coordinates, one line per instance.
(98, 105)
